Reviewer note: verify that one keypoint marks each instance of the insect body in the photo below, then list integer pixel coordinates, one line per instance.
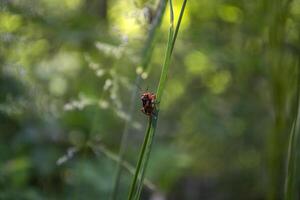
(148, 101)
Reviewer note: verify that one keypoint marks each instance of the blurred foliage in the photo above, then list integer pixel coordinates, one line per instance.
(67, 72)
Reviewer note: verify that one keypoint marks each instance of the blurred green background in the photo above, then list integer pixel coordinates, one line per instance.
(68, 71)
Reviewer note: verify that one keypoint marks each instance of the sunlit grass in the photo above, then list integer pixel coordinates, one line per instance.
(176, 10)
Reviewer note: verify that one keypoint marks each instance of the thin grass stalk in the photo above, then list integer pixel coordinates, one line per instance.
(277, 140)
(139, 164)
(151, 41)
(290, 179)
(164, 71)
(171, 42)
(178, 23)
(138, 178)
(145, 163)
(137, 182)
(291, 166)
(146, 57)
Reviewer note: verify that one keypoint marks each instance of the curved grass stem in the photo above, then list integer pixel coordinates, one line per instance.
(136, 186)
(290, 179)
(146, 57)
(139, 164)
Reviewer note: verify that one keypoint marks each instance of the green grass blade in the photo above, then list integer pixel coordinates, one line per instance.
(178, 23)
(136, 186)
(146, 57)
(151, 129)
(290, 179)
(150, 42)
(139, 164)
(145, 163)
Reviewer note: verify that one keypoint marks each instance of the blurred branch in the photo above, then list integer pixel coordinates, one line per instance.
(114, 157)
(68, 156)
(97, 149)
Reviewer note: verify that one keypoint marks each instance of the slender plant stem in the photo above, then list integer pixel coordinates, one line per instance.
(147, 156)
(164, 72)
(137, 182)
(178, 23)
(277, 142)
(139, 164)
(135, 187)
(171, 42)
(146, 57)
(151, 40)
(290, 179)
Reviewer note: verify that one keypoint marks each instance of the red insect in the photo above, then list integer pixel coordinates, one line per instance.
(148, 101)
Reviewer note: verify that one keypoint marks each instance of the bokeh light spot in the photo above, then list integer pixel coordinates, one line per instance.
(197, 63)
(9, 22)
(57, 86)
(229, 13)
(219, 82)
